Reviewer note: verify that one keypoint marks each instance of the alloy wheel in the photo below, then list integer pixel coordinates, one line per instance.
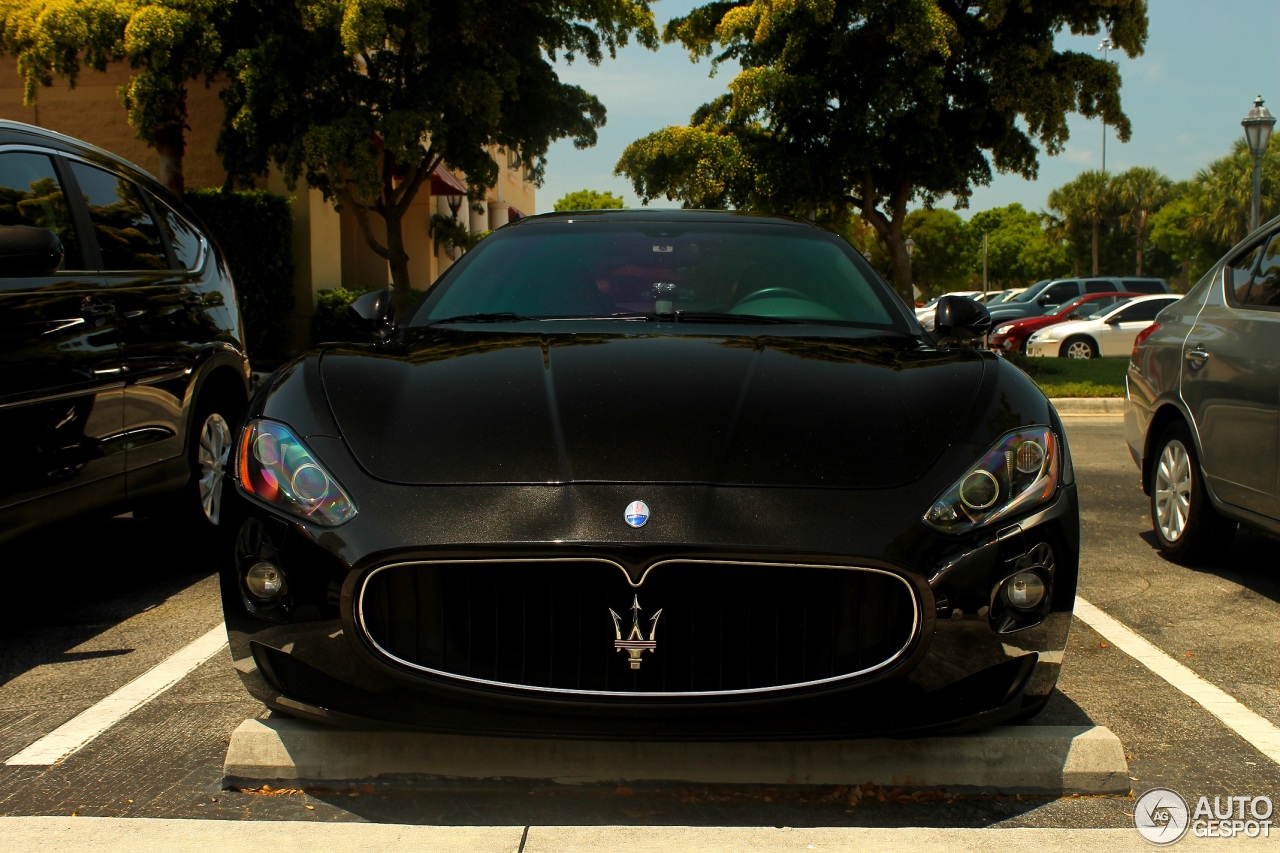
(215, 448)
(1173, 490)
(1079, 349)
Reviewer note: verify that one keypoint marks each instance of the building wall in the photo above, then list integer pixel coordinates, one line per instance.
(93, 111)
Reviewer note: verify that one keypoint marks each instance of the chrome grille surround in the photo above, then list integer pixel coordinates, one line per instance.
(379, 648)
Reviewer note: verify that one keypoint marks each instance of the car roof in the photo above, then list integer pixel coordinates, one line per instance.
(19, 133)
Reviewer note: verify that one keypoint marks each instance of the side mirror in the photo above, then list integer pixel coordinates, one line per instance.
(374, 312)
(28, 251)
(962, 318)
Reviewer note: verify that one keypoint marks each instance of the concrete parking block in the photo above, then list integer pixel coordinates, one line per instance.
(1030, 759)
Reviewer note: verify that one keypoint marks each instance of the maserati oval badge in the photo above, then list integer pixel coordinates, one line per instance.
(637, 513)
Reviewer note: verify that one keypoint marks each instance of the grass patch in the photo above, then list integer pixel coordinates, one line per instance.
(1075, 377)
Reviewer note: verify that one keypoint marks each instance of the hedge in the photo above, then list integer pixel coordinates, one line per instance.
(254, 228)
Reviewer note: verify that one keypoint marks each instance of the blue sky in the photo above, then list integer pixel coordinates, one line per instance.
(1204, 63)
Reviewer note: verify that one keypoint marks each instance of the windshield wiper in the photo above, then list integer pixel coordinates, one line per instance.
(496, 317)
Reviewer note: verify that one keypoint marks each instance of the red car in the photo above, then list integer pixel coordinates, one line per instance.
(1012, 335)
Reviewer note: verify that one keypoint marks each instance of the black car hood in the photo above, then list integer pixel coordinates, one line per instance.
(455, 407)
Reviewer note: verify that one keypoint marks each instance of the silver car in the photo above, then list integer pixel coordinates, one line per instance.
(1202, 404)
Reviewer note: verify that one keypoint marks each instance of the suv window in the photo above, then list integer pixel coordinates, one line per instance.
(1143, 285)
(127, 235)
(1264, 288)
(1058, 293)
(31, 194)
(182, 237)
(1239, 273)
(1099, 286)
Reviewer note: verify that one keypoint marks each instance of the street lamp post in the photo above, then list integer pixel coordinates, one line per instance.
(1106, 46)
(1257, 132)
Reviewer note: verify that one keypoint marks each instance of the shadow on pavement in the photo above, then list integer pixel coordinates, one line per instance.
(66, 584)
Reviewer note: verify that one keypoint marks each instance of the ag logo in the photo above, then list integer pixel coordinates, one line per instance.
(1161, 816)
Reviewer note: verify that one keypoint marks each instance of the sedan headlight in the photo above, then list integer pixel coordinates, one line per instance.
(1003, 330)
(1019, 472)
(277, 468)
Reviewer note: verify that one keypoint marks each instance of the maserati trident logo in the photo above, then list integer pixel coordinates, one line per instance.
(635, 644)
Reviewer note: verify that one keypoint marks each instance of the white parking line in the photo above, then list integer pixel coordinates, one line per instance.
(83, 728)
(1254, 728)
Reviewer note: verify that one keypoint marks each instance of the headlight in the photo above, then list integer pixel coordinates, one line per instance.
(1019, 472)
(277, 468)
(1003, 330)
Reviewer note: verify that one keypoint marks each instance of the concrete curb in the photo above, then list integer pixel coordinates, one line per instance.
(1040, 759)
(1088, 405)
(151, 835)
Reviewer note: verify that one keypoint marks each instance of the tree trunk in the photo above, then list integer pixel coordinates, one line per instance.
(890, 230)
(1141, 238)
(398, 260)
(1097, 232)
(170, 136)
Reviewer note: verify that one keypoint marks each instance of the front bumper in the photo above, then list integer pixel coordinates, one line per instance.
(967, 663)
(1043, 348)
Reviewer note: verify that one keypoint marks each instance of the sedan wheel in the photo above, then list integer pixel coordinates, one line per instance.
(1079, 348)
(211, 459)
(1187, 526)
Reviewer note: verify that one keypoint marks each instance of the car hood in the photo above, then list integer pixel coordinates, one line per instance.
(455, 407)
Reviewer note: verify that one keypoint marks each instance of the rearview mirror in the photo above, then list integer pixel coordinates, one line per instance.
(961, 318)
(29, 251)
(374, 313)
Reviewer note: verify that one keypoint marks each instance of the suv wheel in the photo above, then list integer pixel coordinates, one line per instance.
(212, 452)
(1187, 526)
(1079, 348)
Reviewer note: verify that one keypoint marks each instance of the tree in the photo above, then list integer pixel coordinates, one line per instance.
(874, 104)
(943, 256)
(1018, 249)
(1088, 200)
(1139, 193)
(589, 200)
(168, 44)
(366, 98)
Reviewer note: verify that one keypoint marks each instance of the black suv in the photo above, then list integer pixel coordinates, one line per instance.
(122, 363)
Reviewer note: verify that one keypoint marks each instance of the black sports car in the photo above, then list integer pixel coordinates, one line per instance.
(654, 474)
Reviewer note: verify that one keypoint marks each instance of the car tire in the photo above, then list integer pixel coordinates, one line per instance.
(198, 507)
(1187, 527)
(1078, 347)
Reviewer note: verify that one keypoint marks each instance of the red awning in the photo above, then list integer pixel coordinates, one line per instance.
(443, 182)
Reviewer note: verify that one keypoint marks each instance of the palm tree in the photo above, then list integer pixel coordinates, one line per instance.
(1141, 191)
(1086, 200)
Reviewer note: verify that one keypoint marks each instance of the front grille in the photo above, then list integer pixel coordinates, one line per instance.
(724, 627)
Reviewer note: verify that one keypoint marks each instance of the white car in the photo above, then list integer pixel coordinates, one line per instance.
(1108, 334)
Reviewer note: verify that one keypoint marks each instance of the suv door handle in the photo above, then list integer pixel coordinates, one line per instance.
(1197, 354)
(92, 306)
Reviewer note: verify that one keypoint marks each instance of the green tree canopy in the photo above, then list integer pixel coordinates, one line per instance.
(873, 104)
(589, 200)
(365, 98)
(167, 43)
(1019, 251)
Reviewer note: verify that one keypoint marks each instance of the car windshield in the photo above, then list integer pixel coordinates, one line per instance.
(644, 269)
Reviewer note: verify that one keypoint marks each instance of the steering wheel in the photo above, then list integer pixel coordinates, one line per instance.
(773, 292)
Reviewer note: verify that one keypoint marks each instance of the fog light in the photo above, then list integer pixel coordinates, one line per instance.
(1025, 590)
(264, 580)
